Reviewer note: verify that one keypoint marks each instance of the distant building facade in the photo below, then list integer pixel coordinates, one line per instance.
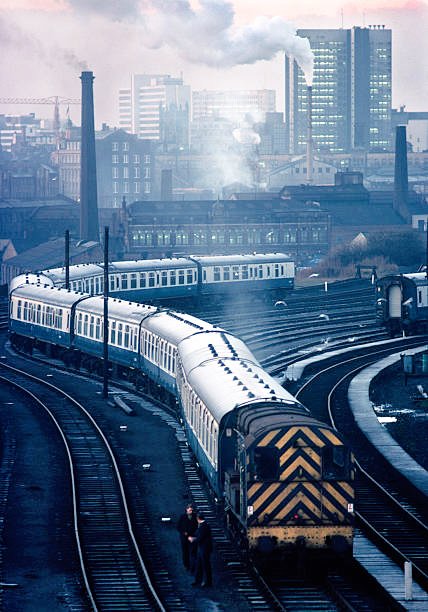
(233, 105)
(351, 91)
(156, 107)
(125, 167)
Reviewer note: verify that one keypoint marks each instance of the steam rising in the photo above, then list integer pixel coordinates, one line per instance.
(208, 36)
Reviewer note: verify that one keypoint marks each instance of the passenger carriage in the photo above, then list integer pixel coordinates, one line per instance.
(242, 273)
(43, 313)
(402, 303)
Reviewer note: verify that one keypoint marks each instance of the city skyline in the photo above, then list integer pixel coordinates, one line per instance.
(57, 39)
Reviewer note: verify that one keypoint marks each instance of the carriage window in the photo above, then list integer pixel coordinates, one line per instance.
(217, 274)
(151, 279)
(117, 280)
(126, 338)
(189, 277)
(111, 283)
(226, 273)
(335, 462)
(181, 277)
(235, 272)
(91, 326)
(58, 323)
(142, 279)
(119, 334)
(85, 325)
(79, 323)
(124, 278)
(164, 279)
(97, 285)
(419, 296)
(260, 271)
(98, 328)
(244, 272)
(266, 463)
(173, 278)
(39, 313)
(19, 313)
(133, 281)
(113, 333)
(276, 270)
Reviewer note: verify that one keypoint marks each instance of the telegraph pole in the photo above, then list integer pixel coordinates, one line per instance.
(105, 326)
(67, 259)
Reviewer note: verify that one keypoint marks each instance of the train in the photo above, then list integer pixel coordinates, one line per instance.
(402, 303)
(286, 480)
(178, 277)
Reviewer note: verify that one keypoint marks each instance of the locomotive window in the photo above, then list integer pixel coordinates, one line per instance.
(217, 274)
(335, 462)
(226, 273)
(266, 463)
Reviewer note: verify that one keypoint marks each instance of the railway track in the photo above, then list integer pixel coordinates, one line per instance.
(113, 569)
(389, 509)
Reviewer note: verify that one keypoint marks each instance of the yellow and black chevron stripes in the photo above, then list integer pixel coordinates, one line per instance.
(311, 502)
(302, 463)
(300, 436)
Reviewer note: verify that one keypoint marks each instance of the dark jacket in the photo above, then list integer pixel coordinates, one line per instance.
(187, 526)
(204, 538)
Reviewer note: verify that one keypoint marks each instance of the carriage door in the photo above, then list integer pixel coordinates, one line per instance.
(394, 302)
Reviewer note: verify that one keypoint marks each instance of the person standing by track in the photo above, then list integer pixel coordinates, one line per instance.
(203, 539)
(186, 527)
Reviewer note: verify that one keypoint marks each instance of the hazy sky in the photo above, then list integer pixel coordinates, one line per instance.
(216, 44)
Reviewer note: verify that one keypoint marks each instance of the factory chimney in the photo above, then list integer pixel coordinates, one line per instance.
(401, 180)
(89, 229)
(309, 144)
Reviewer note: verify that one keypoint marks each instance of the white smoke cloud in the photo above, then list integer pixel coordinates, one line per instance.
(208, 35)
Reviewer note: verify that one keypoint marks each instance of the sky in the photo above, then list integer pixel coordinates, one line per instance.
(214, 44)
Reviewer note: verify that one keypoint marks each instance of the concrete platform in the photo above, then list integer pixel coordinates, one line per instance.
(367, 421)
(388, 574)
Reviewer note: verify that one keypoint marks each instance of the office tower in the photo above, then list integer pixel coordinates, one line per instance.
(156, 107)
(233, 105)
(351, 91)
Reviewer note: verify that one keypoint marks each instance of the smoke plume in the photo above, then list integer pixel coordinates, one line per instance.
(208, 35)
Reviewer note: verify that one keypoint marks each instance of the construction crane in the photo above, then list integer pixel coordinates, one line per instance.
(56, 100)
